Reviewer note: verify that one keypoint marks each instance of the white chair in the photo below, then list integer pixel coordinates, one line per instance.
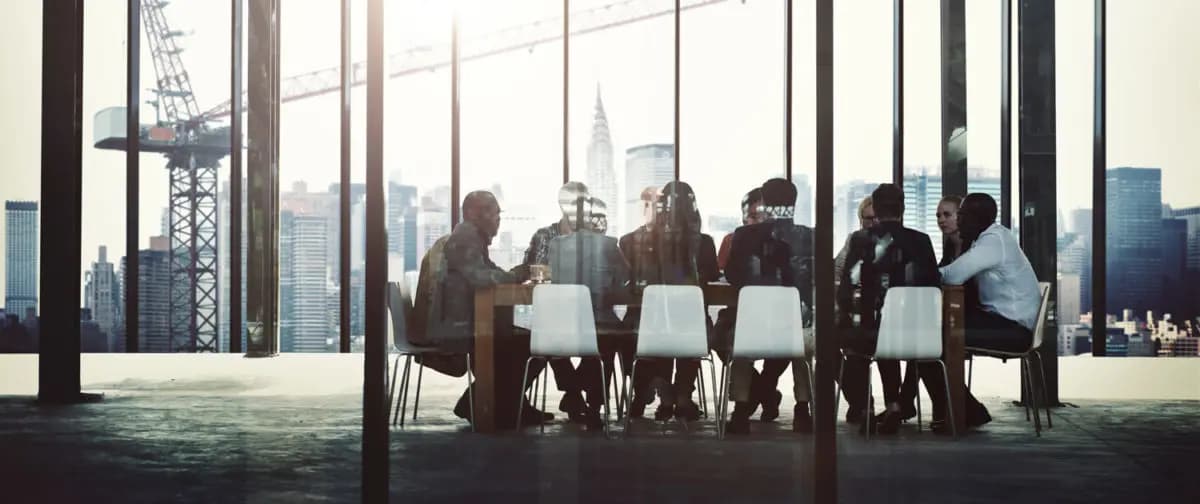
(770, 325)
(400, 309)
(563, 326)
(910, 329)
(673, 325)
(1027, 357)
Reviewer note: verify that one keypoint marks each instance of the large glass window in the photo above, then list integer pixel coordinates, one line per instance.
(731, 105)
(622, 91)
(1151, 178)
(512, 115)
(20, 90)
(923, 118)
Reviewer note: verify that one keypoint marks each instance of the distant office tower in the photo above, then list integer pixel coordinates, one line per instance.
(304, 322)
(102, 297)
(1068, 299)
(845, 211)
(1081, 226)
(601, 178)
(433, 221)
(316, 204)
(20, 256)
(402, 224)
(1191, 215)
(1175, 290)
(358, 302)
(1081, 223)
(645, 166)
(1134, 239)
(804, 200)
(225, 266)
(923, 192)
(154, 289)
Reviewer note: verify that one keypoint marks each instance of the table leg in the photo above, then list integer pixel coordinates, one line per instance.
(485, 362)
(954, 343)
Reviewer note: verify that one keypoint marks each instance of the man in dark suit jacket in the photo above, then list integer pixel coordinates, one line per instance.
(882, 256)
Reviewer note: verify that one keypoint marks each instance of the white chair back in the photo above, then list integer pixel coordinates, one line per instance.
(673, 322)
(910, 326)
(399, 310)
(563, 322)
(770, 323)
(1044, 287)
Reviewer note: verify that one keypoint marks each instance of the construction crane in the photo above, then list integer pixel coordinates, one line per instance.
(194, 145)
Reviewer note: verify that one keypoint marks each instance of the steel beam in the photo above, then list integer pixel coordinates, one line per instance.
(825, 465)
(262, 200)
(954, 96)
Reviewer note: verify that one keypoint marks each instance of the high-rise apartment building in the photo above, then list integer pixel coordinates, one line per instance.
(650, 165)
(402, 224)
(1134, 244)
(20, 256)
(303, 283)
(154, 290)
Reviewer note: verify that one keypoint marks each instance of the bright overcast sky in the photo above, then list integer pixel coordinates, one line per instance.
(732, 97)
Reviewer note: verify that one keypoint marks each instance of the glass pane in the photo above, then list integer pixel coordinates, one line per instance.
(922, 117)
(1151, 178)
(1074, 93)
(512, 117)
(103, 217)
(983, 31)
(731, 111)
(628, 70)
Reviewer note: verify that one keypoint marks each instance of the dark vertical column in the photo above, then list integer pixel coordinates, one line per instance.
(235, 180)
(1100, 186)
(61, 201)
(787, 89)
(566, 36)
(954, 97)
(262, 200)
(133, 100)
(676, 145)
(455, 176)
(375, 428)
(825, 462)
(1006, 112)
(1037, 176)
(898, 92)
(344, 189)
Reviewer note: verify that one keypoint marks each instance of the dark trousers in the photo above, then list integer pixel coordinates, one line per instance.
(589, 367)
(983, 330)
(861, 342)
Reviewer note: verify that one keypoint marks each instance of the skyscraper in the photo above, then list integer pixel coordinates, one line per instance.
(1134, 244)
(645, 166)
(804, 200)
(923, 192)
(20, 256)
(154, 289)
(102, 297)
(1175, 290)
(433, 221)
(303, 283)
(845, 209)
(1068, 299)
(1081, 225)
(402, 224)
(601, 179)
(1191, 215)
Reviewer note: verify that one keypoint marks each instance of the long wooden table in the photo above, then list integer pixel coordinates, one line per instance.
(487, 300)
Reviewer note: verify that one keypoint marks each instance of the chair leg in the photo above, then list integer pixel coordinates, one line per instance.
(1031, 397)
(837, 389)
(949, 406)
(417, 399)
(917, 380)
(545, 381)
(521, 396)
(870, 418)
(392, 384)
(471, 391)
(1045, 393)
(632, 378)
(712, 374)
(404, 382)
(604, 386)
(724, 400)
(970, 370)
(700, 390)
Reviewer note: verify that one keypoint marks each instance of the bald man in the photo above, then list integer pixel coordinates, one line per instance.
(469, 268)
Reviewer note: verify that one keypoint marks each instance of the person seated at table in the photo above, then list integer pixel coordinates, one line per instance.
(775, 251)
(566, 379)
(866, 218)
(668, 249)
(588, 257)
(764, 388)
(885, 255)
(1004, 313)
(468, 268)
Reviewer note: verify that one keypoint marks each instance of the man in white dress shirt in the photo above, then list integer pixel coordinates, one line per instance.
(1005, 313)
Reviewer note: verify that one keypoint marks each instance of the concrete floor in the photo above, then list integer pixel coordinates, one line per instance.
(181, 435)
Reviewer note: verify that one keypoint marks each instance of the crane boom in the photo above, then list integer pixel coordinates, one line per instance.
(427, 58)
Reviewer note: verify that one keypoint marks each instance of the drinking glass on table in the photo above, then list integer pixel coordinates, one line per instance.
(539, 273)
